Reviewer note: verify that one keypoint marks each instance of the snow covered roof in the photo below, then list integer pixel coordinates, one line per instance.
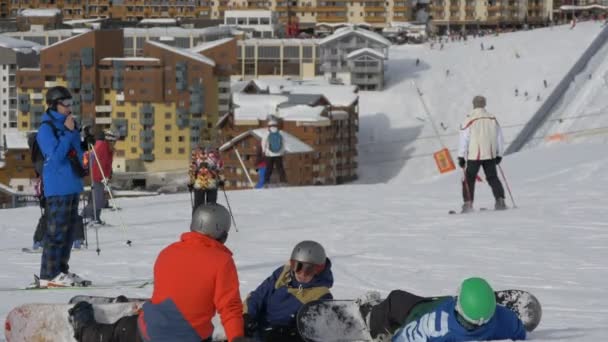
(80, 33)
(82, 21)
(337, 95)
(7, 190)
(276, 42)
(15, 140)
(291, 143)
(587, 7)
(256, 107)
(183, 52)
(40, 12)
(341, 24)
(18, 45)
(302, 113)
(130, 59)
(176, 31)
(209, 45)
(247, 13)
(345, 31)
(366, 51)
(168, 21)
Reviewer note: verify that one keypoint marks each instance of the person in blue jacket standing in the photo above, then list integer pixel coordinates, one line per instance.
(59, 141)
(472, 316)
(270, 310)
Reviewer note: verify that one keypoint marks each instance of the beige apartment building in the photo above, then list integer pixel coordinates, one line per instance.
(308, 13)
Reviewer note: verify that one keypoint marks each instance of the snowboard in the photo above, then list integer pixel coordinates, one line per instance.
(341, 320)
(49, 322)
(104, 299)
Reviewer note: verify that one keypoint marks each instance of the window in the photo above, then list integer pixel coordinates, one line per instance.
(120, 114)
(168, 150)
(167, 115)
(181, 138)
(133, 149)
(133, 137)
(167, 127)
(168, 138)
(133, 115)
(181, 150)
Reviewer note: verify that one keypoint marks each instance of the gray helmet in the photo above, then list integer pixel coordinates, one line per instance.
(212, 220)
(56, 94)
(309, 251)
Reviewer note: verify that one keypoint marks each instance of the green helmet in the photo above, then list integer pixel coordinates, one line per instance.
(476, 301)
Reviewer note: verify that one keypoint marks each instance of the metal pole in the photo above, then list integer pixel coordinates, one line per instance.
(112, 200)
(507, 184)
(238, 155)
(428, 113)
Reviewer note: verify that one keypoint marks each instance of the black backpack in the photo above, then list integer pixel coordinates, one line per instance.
(35, 152)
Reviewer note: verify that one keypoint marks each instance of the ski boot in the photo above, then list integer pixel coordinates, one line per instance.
(467, 207)
(81, 315)
(500, 204)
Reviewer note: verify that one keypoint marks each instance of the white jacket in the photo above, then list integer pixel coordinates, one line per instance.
(266, 147)
(480, 136)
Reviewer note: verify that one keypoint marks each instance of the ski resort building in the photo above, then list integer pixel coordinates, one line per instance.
(160, 104)
(319, 122)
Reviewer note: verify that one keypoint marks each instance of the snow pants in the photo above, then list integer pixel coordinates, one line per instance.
(96, 202)
(62, 218)
(202, 197)
(271, 162)
(489, 168)
(124, 330)
(261, 177)
(392, 312)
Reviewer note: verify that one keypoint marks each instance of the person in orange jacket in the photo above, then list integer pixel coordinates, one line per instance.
(193, 278)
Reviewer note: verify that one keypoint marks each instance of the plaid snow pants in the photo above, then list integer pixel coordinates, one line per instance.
(62, 215)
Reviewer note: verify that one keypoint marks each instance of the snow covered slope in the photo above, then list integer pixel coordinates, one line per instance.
(396, 138)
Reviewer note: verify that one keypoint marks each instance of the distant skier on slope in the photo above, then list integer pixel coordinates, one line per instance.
(270, 310)
(473, 315)
(193, 279)
(481, 145)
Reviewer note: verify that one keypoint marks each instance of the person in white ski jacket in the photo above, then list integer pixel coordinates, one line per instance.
(273, 147)
(481, 145)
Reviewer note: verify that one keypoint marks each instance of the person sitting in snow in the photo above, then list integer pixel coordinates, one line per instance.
(473, 315)
(194, 279)
(270, 310)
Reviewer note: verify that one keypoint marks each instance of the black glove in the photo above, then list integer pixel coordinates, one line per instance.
(461, 162)
(190, 187)
(498, 160)
(221, 183)
(244, 339)
(251, 325)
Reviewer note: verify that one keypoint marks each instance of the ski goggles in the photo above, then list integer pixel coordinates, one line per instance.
(65, 103)
(306, 268)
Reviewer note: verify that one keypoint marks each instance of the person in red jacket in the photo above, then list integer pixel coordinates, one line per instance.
(193, 279)
(101, 155)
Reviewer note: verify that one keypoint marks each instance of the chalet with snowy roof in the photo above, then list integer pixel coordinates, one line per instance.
(16, 169)
(319, 122)
(47, 18)
(354, 56)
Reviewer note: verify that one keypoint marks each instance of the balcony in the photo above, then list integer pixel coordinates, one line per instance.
(223, 96)
(146, 134)
(374, 9)
(36, 96)
(331, 19)
(103, 109)
(494, 9)
(331, 9)
(223, 84)
(50, 84)
(375, 19)
(366, 70)
(454, 8)
(103, 121)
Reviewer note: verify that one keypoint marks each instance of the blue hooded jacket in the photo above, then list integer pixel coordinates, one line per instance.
(277, 300)
(58, 176)
(441, 325)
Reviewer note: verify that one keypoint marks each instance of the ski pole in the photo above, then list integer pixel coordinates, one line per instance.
(191, 200)
(112, 200)
(507, 185)
(230, 210)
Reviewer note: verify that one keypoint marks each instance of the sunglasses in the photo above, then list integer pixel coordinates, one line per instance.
(306, 268)
(65, 103)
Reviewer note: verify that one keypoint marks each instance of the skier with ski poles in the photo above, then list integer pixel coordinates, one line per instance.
(481, 145)
(270, 310)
